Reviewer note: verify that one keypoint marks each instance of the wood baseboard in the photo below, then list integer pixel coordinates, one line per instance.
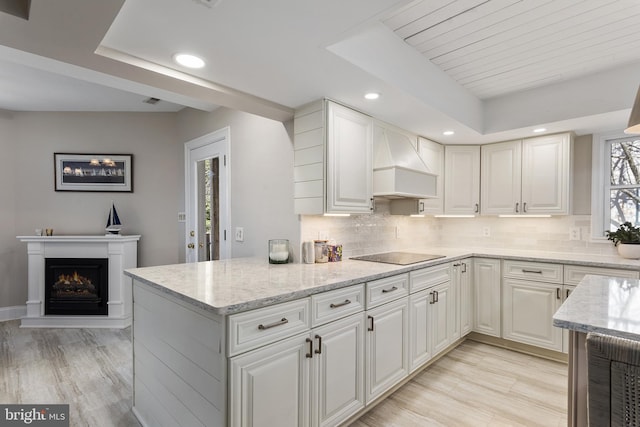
(12, 313)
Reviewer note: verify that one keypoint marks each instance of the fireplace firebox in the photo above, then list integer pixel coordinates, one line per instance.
(76, 286)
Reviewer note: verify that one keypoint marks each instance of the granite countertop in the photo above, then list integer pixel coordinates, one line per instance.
(608, 305)
(240, 284)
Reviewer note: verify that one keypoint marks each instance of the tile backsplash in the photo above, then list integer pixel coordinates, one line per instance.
(382, 232)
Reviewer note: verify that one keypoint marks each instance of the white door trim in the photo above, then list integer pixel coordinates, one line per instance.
(214, 144)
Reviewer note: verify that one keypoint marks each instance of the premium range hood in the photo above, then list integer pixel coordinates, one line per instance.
(398, 169)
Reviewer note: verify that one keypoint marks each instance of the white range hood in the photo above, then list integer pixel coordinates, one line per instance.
(398, 169)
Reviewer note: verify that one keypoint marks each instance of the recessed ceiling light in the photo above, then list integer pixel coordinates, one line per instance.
(372, 95)
(448, 132)
(189, 61)
(538, 130)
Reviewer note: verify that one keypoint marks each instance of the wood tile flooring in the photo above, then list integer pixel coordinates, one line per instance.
(478, 385)
(474, 385)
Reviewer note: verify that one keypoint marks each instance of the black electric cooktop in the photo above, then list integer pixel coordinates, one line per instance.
(399, 258)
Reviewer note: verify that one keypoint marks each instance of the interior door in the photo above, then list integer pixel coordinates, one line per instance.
(206, 197)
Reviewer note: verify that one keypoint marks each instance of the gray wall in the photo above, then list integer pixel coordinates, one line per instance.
(11, 292)
(261, 152)
(150, 210)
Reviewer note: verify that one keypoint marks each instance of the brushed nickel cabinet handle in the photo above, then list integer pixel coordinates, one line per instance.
(394, 288)
(340, 304)
(558, 296)
(477, 209)
(532, 271)
(421, 207)
(524, 207)
(310, 354)
(568, 292)
(319, 349)
(280, 322)
(517, 206)
(370, 328)
(437, 296)
(464, 267)
(433, 297)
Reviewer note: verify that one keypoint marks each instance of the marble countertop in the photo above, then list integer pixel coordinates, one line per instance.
(240, 284)
(608, 305)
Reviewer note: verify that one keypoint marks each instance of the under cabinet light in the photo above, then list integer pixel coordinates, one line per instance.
(337, 214)
(524, 216)
(416, 216)
(454, 216)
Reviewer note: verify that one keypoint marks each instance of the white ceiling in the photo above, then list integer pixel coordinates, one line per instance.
(490, 70)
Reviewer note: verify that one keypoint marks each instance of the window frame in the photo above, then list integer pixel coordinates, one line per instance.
(600, 181)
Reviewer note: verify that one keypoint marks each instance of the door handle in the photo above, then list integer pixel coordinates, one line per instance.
(191, 246)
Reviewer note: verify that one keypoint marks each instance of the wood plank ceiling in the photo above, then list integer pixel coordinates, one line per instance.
(495, 47)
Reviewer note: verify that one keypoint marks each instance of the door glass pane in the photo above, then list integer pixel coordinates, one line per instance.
(208, 205)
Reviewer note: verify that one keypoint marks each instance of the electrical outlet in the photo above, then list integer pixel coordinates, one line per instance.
(486, 232)
(239, 234)
(397, 232)
(574, 233)
(182, 217)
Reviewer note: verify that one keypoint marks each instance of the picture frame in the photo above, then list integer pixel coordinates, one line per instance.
(93, 172)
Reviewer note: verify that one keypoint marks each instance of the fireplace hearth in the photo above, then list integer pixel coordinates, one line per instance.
(76, 286)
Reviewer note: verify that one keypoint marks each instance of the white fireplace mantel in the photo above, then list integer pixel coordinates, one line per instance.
(122, 253)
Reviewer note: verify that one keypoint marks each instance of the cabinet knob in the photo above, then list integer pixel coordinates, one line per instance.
(191, 246)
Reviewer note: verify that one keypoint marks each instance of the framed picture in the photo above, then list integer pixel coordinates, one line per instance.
(93, 172)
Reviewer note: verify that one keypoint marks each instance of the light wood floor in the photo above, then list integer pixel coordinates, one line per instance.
(474, 385)
(478, 385)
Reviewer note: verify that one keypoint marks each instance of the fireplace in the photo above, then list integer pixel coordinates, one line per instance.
(76, 286)
(109, 306)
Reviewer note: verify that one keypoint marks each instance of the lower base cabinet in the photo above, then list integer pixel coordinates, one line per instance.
(527, 313)
(387, 347)
(312, 379)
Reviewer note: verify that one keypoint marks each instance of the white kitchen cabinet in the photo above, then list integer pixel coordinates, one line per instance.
(270, 386)
(531, 176)
(462, 278)
(462, 180)
(337, 387)
(387, 345)
(487, 296)
(333, 155)
(420, 329)
(444, 316)
(432, 154)
(314, 379)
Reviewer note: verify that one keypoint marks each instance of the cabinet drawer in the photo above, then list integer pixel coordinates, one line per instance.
(573, 274)
(263, 326)
(387, 289)
(332, 305)
(538, 271)
(427, 277)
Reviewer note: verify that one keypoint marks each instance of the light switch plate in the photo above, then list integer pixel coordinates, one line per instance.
(574, 233)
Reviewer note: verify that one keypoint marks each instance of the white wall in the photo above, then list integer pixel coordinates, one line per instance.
(261, 152)
(150, 210)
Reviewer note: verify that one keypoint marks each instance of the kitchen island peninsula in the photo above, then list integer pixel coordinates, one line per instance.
(244, 342)
(605, 305)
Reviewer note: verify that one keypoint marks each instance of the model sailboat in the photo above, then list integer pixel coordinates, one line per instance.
(113, 222)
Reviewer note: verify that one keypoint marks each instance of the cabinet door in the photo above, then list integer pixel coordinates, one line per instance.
(465, 298)
(443, 316)
(338, 371)
(462, 180)
(527, 309)
(486, 293)
(270, 386)
(501, 180)
(349, 160)
(387, 343)
(433, 155)
(419, 329)
(546, 172)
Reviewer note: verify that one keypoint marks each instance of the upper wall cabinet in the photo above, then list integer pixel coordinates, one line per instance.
(333, 151)
(532, 176)
(462, 180)
(433, 155)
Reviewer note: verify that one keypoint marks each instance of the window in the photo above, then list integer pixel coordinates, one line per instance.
(615, 183)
